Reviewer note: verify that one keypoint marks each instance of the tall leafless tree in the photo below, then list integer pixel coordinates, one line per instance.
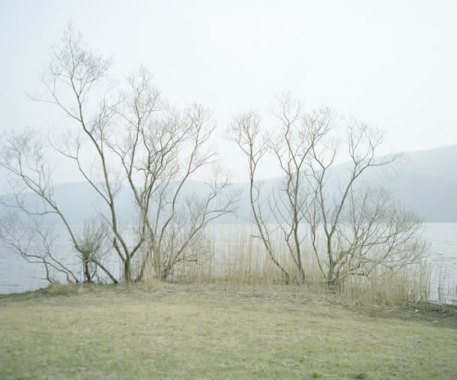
(357, 227)
(246, 131)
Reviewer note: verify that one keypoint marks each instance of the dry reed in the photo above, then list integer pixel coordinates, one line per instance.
(237, 257)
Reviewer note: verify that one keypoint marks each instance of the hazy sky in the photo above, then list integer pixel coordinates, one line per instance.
(390, 63)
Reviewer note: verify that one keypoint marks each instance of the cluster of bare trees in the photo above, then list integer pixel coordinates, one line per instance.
(348, 227)
(130, 139)
(134, 141)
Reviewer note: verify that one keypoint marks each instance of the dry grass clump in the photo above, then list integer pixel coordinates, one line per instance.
(385, 287)
(58, 289)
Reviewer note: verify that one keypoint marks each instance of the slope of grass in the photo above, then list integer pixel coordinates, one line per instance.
(212, 332)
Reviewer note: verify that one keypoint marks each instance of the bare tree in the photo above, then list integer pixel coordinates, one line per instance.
(356, 227)
(159, 149)
(36, 244)
(23, 156)
(349, 228)
(136, 143)
(297, 135)
(245, 130)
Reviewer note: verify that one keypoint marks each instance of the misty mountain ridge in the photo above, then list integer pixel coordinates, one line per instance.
(425, 182)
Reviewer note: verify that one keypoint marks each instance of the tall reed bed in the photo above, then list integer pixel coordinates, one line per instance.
(234, 255)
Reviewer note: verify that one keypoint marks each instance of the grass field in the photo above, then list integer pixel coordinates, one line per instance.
(219, 332)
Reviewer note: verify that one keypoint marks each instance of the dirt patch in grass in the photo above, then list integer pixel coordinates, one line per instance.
(218, 331)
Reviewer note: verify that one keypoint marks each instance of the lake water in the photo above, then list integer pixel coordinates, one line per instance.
(16, 275)
(442, 240)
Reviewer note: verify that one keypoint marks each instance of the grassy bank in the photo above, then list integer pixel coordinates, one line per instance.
(218, 331)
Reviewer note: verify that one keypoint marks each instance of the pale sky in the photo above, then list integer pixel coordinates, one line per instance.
(390, 63)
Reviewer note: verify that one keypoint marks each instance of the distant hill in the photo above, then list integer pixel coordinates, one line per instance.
(79, 202)
(425, 183)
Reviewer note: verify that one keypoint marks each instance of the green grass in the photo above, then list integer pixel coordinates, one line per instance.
(218, 332)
